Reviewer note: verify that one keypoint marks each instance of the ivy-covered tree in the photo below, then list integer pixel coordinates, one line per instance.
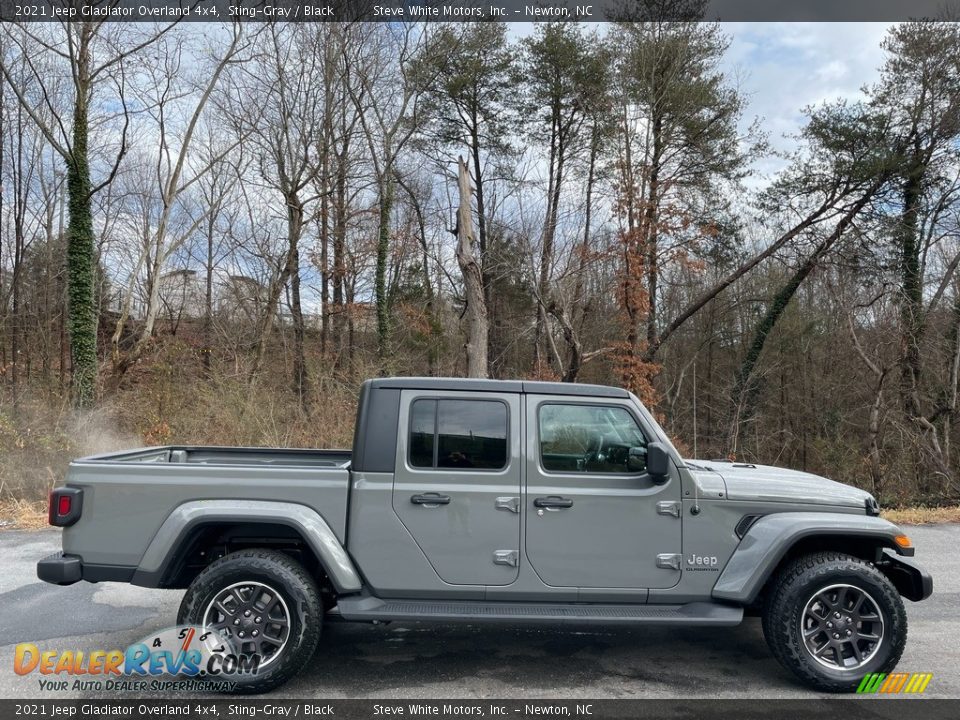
(93, 56)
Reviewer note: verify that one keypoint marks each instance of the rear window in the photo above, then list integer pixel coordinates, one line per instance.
(458, 434)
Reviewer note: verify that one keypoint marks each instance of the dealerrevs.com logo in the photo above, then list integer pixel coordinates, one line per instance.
(199, 658)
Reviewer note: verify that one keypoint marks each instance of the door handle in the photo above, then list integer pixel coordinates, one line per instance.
(553, 502)
(430, 499)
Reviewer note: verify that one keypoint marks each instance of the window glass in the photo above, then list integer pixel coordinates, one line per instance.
(590, 438)
(472, 434)
(423, 417)
(469, 434)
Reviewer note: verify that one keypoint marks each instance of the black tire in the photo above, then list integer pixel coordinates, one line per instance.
(292, 583)
(823, 575)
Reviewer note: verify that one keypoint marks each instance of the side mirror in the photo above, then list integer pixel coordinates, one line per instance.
(658, 463)
(637, 459)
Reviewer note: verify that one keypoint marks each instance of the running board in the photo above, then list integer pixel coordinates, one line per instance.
(367, 609)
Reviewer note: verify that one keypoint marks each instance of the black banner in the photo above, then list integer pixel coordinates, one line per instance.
(850, 708)
(467, 10)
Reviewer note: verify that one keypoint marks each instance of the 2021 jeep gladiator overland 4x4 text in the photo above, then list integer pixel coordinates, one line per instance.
(481, 500)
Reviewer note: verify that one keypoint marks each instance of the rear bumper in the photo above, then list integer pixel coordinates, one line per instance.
(61, 569)
(911, 580)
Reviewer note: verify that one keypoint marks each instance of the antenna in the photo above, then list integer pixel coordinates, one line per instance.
(695, 455)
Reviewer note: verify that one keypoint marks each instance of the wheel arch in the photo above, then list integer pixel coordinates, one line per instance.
(776, 539)
(196, 533)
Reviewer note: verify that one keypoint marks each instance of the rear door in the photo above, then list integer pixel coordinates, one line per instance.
(592, 522)
(457, 482)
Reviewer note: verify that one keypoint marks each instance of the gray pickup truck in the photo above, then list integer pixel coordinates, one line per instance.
(508, 501)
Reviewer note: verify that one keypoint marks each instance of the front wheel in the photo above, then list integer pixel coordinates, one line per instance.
(832, 618)
(264, 604)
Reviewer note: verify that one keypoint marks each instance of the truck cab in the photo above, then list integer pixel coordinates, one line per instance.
(502, 489)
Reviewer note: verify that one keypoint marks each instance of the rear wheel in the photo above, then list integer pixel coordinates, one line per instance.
(262, 603)
(831, 619)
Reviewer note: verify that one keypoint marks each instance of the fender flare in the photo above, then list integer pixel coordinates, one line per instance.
(770, 538)
(312, 527)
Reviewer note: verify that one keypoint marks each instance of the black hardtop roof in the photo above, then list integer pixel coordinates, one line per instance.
(503, 386)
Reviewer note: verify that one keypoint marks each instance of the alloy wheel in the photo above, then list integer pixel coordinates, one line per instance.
(842, 627)
(253, 616)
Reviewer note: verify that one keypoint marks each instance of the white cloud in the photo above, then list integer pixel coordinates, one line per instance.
(783, 68)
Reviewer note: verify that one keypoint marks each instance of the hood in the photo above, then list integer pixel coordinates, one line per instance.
(764, 483)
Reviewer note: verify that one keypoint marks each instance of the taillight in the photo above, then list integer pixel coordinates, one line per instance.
(65, 506)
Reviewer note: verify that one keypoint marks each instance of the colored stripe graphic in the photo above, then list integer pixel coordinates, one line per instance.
(871, 683)
(894, 683)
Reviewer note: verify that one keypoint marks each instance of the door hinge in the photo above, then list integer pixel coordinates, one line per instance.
(668, 561)
(669, 507)
(506, 557)
(511, 504)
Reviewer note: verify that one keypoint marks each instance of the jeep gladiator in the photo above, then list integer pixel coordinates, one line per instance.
(481, 500)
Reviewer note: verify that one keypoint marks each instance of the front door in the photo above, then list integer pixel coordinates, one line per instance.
(592, 522)
(457, 482)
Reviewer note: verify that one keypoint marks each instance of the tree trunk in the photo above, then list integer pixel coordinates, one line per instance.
(578, 311)
(3, 296)
(477, 326)
(80, 241)
(652, 231)
(380, 281)
(324, 262)
(301, 376)
(481, 225)
(20, 203)
(912, 291)
(433, 320)
(339, 244)
(208, 298)
(266, 320)
(546, 257)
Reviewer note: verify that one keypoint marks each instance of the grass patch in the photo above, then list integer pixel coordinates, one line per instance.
(23, 515)
(923, 515)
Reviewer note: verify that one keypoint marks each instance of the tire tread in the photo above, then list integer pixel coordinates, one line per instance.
(780, 614)
(260, 561)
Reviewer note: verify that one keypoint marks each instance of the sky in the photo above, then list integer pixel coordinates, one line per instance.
(783, 67)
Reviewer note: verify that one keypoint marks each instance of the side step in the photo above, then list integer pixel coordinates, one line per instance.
(366, 609)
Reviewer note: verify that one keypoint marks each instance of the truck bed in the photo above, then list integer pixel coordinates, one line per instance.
(226, 456)
(128, 495)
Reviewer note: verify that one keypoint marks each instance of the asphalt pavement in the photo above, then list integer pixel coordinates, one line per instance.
(425, 661)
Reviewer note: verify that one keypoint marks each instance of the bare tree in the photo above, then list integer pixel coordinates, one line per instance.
(94, 56)
(387, 96)
(291, 87)
(175, 175)
(476, 311)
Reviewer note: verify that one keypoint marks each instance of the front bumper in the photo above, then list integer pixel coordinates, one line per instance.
(60, 569)
(911, 580)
